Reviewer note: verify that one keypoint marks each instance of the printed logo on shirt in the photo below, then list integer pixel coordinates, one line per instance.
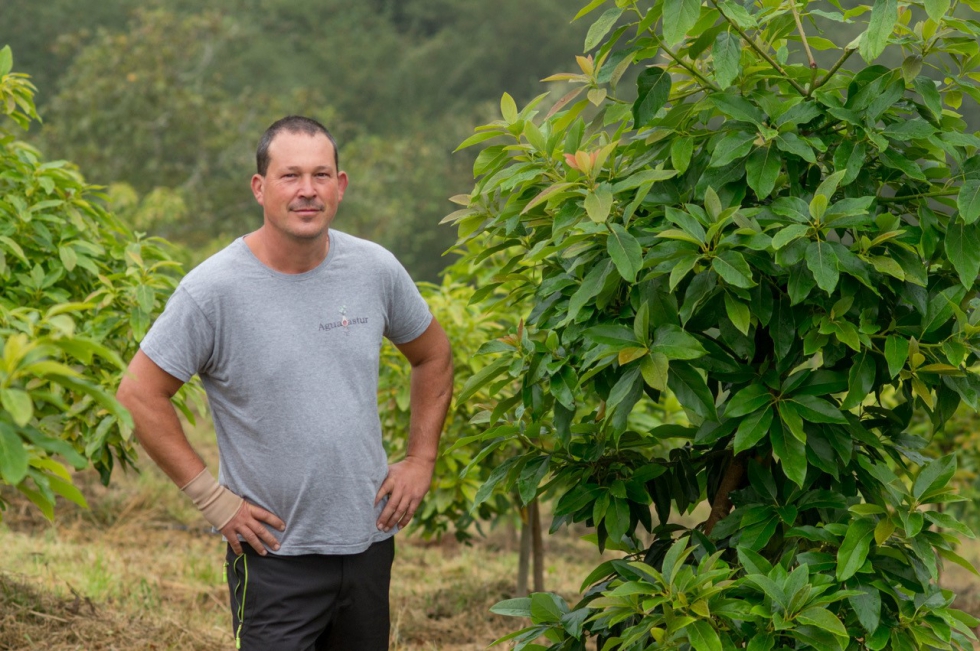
(345, 321)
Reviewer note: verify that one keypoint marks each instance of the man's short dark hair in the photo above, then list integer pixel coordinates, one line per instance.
(291, 124)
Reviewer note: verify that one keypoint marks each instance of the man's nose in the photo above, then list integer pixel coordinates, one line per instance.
(306, 188)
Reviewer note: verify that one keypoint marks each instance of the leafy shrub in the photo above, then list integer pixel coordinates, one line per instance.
(790, 249)
(78, 292)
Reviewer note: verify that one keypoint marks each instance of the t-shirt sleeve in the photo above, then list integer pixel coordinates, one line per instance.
(408, 314)
(181, 340)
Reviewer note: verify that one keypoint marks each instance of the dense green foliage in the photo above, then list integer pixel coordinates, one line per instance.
(78, 292)
(461, 468)
(791, 250)
(169, 95)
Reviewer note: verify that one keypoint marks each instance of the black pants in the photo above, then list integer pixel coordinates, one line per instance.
(311, 602)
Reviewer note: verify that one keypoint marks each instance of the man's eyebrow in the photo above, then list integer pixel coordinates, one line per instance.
(319, 168)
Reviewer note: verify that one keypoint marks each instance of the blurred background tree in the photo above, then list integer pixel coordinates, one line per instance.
(169, 100)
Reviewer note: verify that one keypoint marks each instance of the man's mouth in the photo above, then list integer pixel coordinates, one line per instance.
(307, 209)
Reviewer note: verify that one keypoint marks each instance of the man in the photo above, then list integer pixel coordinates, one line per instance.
(284, 327)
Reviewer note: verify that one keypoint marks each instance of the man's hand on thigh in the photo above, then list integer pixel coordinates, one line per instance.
(407, 483)
(247, 523)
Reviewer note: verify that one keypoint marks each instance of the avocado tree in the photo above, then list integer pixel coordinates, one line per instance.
(790, 249)
(78, 292)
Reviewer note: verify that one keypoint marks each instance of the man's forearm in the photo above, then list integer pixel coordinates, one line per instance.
(158, 429)
(431, 393)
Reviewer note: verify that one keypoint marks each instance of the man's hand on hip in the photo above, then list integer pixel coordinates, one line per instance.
(407, 483)
(247, 523)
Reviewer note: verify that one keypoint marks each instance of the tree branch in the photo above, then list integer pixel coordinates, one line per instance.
(830, 73)
(806, 44)
(673, 55)
(924, 195)
(721, 506)
(765, 55)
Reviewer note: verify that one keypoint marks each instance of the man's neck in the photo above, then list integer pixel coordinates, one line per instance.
(287, 255)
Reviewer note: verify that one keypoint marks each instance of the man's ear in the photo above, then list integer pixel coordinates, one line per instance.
(342, 182)
(258, 187)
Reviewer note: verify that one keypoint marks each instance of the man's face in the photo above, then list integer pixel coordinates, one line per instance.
(302, 188)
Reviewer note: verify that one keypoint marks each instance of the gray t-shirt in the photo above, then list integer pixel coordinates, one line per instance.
(290, 366)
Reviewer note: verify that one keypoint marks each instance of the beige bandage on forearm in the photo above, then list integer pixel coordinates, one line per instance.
(217, 504)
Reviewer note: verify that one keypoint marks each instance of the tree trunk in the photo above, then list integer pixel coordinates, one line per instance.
(524, 558)
(537, 546)
(721, 505)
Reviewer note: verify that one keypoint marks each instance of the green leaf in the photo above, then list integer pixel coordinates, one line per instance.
(936, 9)
(508, 108)
(14, 461)
(145, 298)
(68, 257)
(737, 107)
(727, 54)
(958, 560)
(790, 451)
(822, 618)
(897, 161)
(732, 146)
(598, 204)
(641, 178)
(733, 269)
(654, 368)
(483, 377)
(968, 200)
(762, 169)
(703, 636)
(739, 313)
(860, 381)
(18, 404)
(884, 15)
(477, 138)
(6, 61)
(601, 27)
(854, 549)
(591, 286)
(547, 608)
(761, 642)
(933, 475)
(520, 607)
(963, 249)
(675, 343)
(681, 150)
(530, 477)
(752, 429)
(791, 144)
(896, 353)
(625, 252)
(789, 234)
(750, 399)
(592, 6)
(941, 307)
(678, 18)
(822, 262)
(691, 390)
(818, 410)
(653, 89)
(867, 607)
(770, 588)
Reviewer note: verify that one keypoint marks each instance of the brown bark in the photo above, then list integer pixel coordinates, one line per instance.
(524, 556)
(537, 546)
(721, 505)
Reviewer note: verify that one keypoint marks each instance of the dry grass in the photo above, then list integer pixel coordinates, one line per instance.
(140, 570)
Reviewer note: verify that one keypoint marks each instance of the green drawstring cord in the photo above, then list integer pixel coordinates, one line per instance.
(241, 602)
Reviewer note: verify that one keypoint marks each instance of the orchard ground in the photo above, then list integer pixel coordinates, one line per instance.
(140, 570)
